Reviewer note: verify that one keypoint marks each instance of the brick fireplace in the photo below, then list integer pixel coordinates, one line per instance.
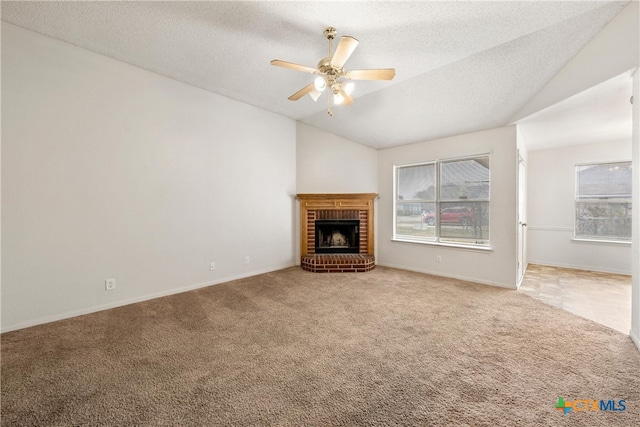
(338, 212)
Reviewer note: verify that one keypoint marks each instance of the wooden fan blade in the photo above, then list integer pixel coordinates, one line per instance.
(344, 50)
(293, 66)
(302, 92)
(381, 74)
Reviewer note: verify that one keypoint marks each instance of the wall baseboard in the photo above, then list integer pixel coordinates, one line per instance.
(579, 267)
(450, 276)
(95, 309)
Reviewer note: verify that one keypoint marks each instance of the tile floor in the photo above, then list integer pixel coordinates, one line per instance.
(602, 297)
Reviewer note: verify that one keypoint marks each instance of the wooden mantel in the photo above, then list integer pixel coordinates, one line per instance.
(312, 204)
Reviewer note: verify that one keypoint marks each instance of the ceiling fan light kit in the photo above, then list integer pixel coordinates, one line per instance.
(331, 73)
(319, 83)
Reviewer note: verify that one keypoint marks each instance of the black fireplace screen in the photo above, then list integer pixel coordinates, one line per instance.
(337, 236)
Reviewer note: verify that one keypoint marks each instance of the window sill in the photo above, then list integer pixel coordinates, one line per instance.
(446, 245)
(608, 242)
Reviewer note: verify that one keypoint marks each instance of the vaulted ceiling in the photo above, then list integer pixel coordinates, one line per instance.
(460, 66)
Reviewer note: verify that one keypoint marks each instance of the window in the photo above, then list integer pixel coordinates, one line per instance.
(603, 201)
(444, 201)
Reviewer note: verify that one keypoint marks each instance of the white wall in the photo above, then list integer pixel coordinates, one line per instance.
(496, 267)
(110, 171)
(326, 163)
(551, 209)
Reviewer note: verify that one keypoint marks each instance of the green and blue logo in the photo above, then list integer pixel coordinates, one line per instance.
(591, 405)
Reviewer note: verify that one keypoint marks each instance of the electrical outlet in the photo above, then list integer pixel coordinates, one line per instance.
(212, 266)
(438, 258)
(247, 260)
(109, 284)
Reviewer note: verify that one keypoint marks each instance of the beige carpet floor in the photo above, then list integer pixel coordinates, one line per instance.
(292, 348)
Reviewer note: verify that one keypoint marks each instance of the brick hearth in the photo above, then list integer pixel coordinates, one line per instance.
(336, 206)
(338, 263)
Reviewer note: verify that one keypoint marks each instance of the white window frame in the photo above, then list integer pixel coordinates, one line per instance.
(577, 199)
(438, 239)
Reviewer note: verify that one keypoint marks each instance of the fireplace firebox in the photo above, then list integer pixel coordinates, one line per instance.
(337, 236)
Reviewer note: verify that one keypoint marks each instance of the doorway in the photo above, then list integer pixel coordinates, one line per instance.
(522, 220)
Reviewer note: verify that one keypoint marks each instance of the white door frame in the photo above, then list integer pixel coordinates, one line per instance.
(521, 257)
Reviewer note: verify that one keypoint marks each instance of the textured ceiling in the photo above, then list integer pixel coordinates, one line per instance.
(460, 66)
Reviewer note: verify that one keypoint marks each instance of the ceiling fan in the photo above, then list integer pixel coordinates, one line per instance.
(332, 75)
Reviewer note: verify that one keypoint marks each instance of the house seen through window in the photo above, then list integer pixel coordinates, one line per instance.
(443, 201)
(603, 201)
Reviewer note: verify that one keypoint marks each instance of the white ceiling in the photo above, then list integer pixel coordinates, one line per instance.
(460, 66)
(600, 113)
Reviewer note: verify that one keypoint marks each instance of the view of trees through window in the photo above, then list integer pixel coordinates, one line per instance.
(603, 201)
(444, 201)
